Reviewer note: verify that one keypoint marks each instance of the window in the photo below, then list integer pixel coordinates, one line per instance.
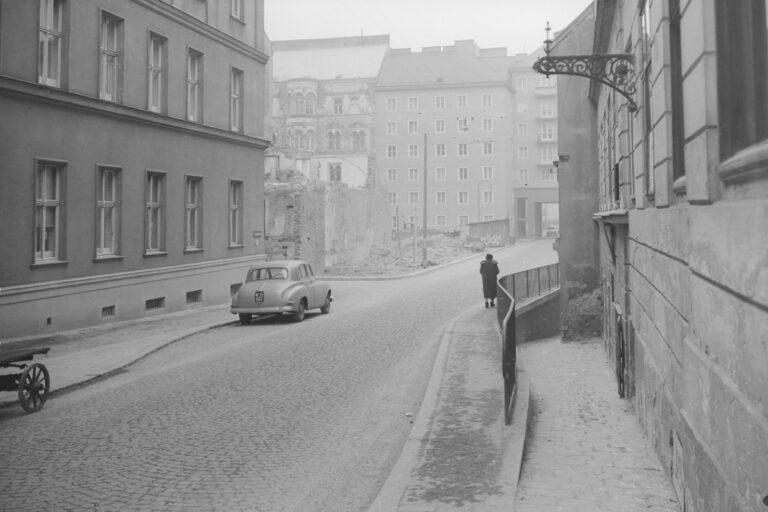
(523, 175)
(440, 174)
(413, 198)
(462, 124)
(107, 211)
(236, 100)
(487, 125)
(413, 150)
(522, 130)
(236, 10)
(413, 174)
(487, 217)
(110, 65)
(522, 152)
(310, 141)
(334, 140)
(334, 172)
(338, 106)
(463, 197)
(547, 154)
(392, 151)
(522, 84)
(486, 100)
(439, 102)
(440, 197)
(462, 149)
(413, 103)
(309, 104)
(393, 198)
(463, 220)
(358, 140)
(235, 213)
(547, 132)
(463, 173)
(439, 126)
(157, 81)
(440, 220)
(51, 35)
(413, 127)
(487, 196)
(461, 101)
(487, 172)
(546, 81)
(394, 223)
(296, 105)
(391, 174)
(487, 147)
(391, 104)
(522, 106)
(155, 213)
(439, 149)
(548, 174)
(194, 86)
(194, 211)
(48, 212)
(391, 128)
(547, 109)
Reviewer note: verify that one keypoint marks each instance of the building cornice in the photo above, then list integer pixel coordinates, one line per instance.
(187, 20)
(66, 99)
(442, 85)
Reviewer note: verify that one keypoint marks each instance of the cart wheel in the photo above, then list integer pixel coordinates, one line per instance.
(34, 385)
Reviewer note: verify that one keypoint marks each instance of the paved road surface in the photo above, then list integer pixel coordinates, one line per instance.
(267, 417)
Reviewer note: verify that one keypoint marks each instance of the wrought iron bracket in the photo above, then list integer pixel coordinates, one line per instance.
(614, 70)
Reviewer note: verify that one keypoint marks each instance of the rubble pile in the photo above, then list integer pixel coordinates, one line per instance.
(391, 260)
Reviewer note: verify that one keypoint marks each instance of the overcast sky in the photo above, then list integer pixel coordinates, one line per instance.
(517, 25)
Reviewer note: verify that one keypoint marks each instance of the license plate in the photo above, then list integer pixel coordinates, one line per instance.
(258, 297)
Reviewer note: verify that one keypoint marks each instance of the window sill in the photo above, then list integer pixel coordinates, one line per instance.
(101, 259)
(238, 20)
(747, 165)
(154, 254)
(52, 263)
(192, 250)
(236, 246)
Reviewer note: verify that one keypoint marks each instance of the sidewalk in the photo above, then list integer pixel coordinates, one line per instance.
(585, 451)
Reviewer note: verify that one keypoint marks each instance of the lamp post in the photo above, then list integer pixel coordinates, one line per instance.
(424, 249)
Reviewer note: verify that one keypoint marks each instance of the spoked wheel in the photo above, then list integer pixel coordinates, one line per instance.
(298, 315)
(326, 307)
(34, 385)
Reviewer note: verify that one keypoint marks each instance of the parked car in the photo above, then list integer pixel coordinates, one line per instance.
(285, 287)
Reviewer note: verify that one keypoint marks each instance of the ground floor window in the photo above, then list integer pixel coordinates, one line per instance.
(48, 212)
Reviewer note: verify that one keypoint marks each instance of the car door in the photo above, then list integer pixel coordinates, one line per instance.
(313, 292)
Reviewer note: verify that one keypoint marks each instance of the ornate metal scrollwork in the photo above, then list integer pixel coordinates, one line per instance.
(614, 70)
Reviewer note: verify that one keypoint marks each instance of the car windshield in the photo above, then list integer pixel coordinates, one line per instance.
(262, 274)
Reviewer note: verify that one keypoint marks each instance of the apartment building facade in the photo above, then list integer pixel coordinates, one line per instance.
(323, 107)
(681, 197)
(448, 123)
(131, 181)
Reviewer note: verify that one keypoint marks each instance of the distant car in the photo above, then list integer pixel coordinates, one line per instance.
(284, 287)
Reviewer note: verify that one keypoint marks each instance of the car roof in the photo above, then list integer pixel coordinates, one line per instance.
(278, 263)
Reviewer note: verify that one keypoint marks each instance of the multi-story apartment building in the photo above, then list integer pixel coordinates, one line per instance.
(323, 106)
(457, 119)
(132, 143)
(678, 170)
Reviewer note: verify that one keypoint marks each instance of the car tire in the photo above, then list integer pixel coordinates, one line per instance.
(298, 315)
(326, 307)
(245, 318)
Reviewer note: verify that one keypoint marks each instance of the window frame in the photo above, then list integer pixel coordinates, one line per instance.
(236, 99)
(42, 204)
(157, 74)
(193, 213)
(104, 250)
(48, 32)
(195, 85)
(236, 214)
(110, 59)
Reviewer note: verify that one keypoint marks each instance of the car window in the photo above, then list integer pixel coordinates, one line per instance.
(303, 272)
(261, 274)
(309, 270)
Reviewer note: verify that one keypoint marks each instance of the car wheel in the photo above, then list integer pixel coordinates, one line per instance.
(298, 315)
(245, 318)
(326, 307)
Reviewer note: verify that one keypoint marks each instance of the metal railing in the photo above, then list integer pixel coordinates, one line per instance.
(514, 289)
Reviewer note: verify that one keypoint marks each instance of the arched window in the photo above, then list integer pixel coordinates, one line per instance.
(334, 140)
(298, 103)
(310, 140)
(309, 104)
(358, 140)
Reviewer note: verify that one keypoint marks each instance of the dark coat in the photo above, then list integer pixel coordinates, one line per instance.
(489, 269)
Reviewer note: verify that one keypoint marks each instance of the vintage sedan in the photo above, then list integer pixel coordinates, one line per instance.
(285, 287)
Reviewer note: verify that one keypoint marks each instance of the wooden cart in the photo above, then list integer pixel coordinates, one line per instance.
(33, 383)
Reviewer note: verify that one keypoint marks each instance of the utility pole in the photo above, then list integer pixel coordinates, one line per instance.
(424, 249)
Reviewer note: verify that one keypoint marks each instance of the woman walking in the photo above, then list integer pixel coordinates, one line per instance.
(489, 269)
